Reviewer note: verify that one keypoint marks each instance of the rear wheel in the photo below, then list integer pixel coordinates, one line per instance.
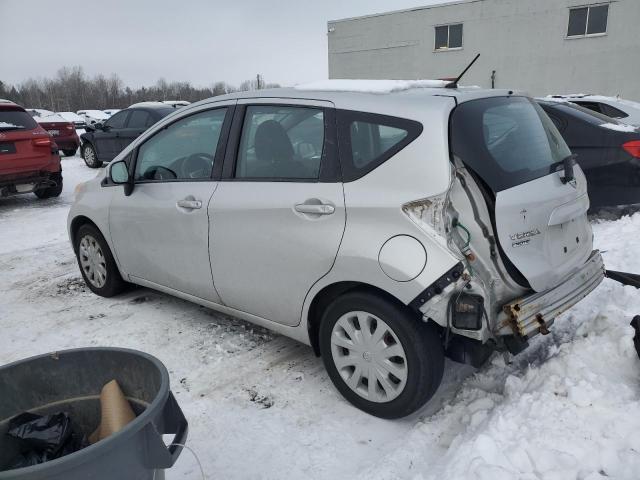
(90, 157)
(380, 357)
(52, 191)
(69, 153)
(96, 262)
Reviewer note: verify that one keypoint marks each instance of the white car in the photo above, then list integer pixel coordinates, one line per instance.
(93, 116)
(627, 111)
(39, 112)
(386, 230)
(78, 121)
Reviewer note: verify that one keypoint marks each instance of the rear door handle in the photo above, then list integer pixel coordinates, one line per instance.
(189, 204)
(314, 209)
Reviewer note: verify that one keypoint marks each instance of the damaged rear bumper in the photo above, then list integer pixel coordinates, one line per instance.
(528, 316)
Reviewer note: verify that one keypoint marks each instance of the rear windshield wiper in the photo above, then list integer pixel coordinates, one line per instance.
(567, 164)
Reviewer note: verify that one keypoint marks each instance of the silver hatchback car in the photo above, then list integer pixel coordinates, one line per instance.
(387, 230)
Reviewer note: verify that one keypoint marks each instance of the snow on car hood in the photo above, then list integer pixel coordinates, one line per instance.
(620, 127)
(53, 118)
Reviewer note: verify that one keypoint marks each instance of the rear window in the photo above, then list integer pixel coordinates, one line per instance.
(587, 114)
(507, 141)
(367, 140)
(16, 120)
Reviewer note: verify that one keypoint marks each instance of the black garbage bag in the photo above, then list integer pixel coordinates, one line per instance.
(43, 438)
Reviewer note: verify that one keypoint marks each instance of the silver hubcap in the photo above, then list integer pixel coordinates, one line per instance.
(369, 356)
(88, 155)
(92, 261)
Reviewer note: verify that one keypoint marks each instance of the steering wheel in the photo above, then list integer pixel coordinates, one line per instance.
(157, 172)
(198, 165)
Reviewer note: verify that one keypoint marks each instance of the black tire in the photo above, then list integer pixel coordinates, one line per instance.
(90, 156)
(421, 343)
(53, 191)
(114, 283)
(69, 153)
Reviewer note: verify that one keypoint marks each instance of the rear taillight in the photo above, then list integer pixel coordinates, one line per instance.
(633, 148)
(41, 142)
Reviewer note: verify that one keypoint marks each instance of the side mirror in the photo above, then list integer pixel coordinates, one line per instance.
(119, 174)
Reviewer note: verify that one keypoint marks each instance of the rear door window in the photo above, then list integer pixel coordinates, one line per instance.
(367, 140)
(507, 141)
(138, 119)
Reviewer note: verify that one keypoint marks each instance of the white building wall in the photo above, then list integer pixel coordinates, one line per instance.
(524, 41)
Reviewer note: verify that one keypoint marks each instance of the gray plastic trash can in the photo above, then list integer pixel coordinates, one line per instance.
(71, 381)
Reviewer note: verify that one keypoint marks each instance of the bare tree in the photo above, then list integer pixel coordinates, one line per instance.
(71, 90)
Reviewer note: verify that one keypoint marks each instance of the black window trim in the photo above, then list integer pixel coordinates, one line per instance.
(329, 165)
(217, 159)
(351, 173)
(448, 48)
(588, 6)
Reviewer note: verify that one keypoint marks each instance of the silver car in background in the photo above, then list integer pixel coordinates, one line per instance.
(386, 230)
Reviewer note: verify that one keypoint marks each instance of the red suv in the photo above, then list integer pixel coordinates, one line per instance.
(29, 160)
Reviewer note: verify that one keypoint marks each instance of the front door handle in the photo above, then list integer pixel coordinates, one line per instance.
(189, 204)
(315, 209)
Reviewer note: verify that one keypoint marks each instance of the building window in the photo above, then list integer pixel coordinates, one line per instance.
(585, 21)
(448, 37)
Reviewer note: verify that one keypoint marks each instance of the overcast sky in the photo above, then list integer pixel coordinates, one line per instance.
(202, 41)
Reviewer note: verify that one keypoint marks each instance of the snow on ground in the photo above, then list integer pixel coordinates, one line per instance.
(261, 406)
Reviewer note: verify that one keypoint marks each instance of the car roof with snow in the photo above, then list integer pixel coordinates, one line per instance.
(368, 95)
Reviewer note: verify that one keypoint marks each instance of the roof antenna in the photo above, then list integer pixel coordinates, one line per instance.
(454, 84)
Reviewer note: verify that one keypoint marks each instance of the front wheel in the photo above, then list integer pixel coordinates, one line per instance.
(379, 355)
(90, 156)
(96, 262)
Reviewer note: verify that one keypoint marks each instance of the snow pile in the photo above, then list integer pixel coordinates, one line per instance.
(370, 86)
(620, 127)
(567, 408)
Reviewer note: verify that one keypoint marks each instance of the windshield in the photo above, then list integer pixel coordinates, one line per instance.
(16, 120)
(507, 141)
